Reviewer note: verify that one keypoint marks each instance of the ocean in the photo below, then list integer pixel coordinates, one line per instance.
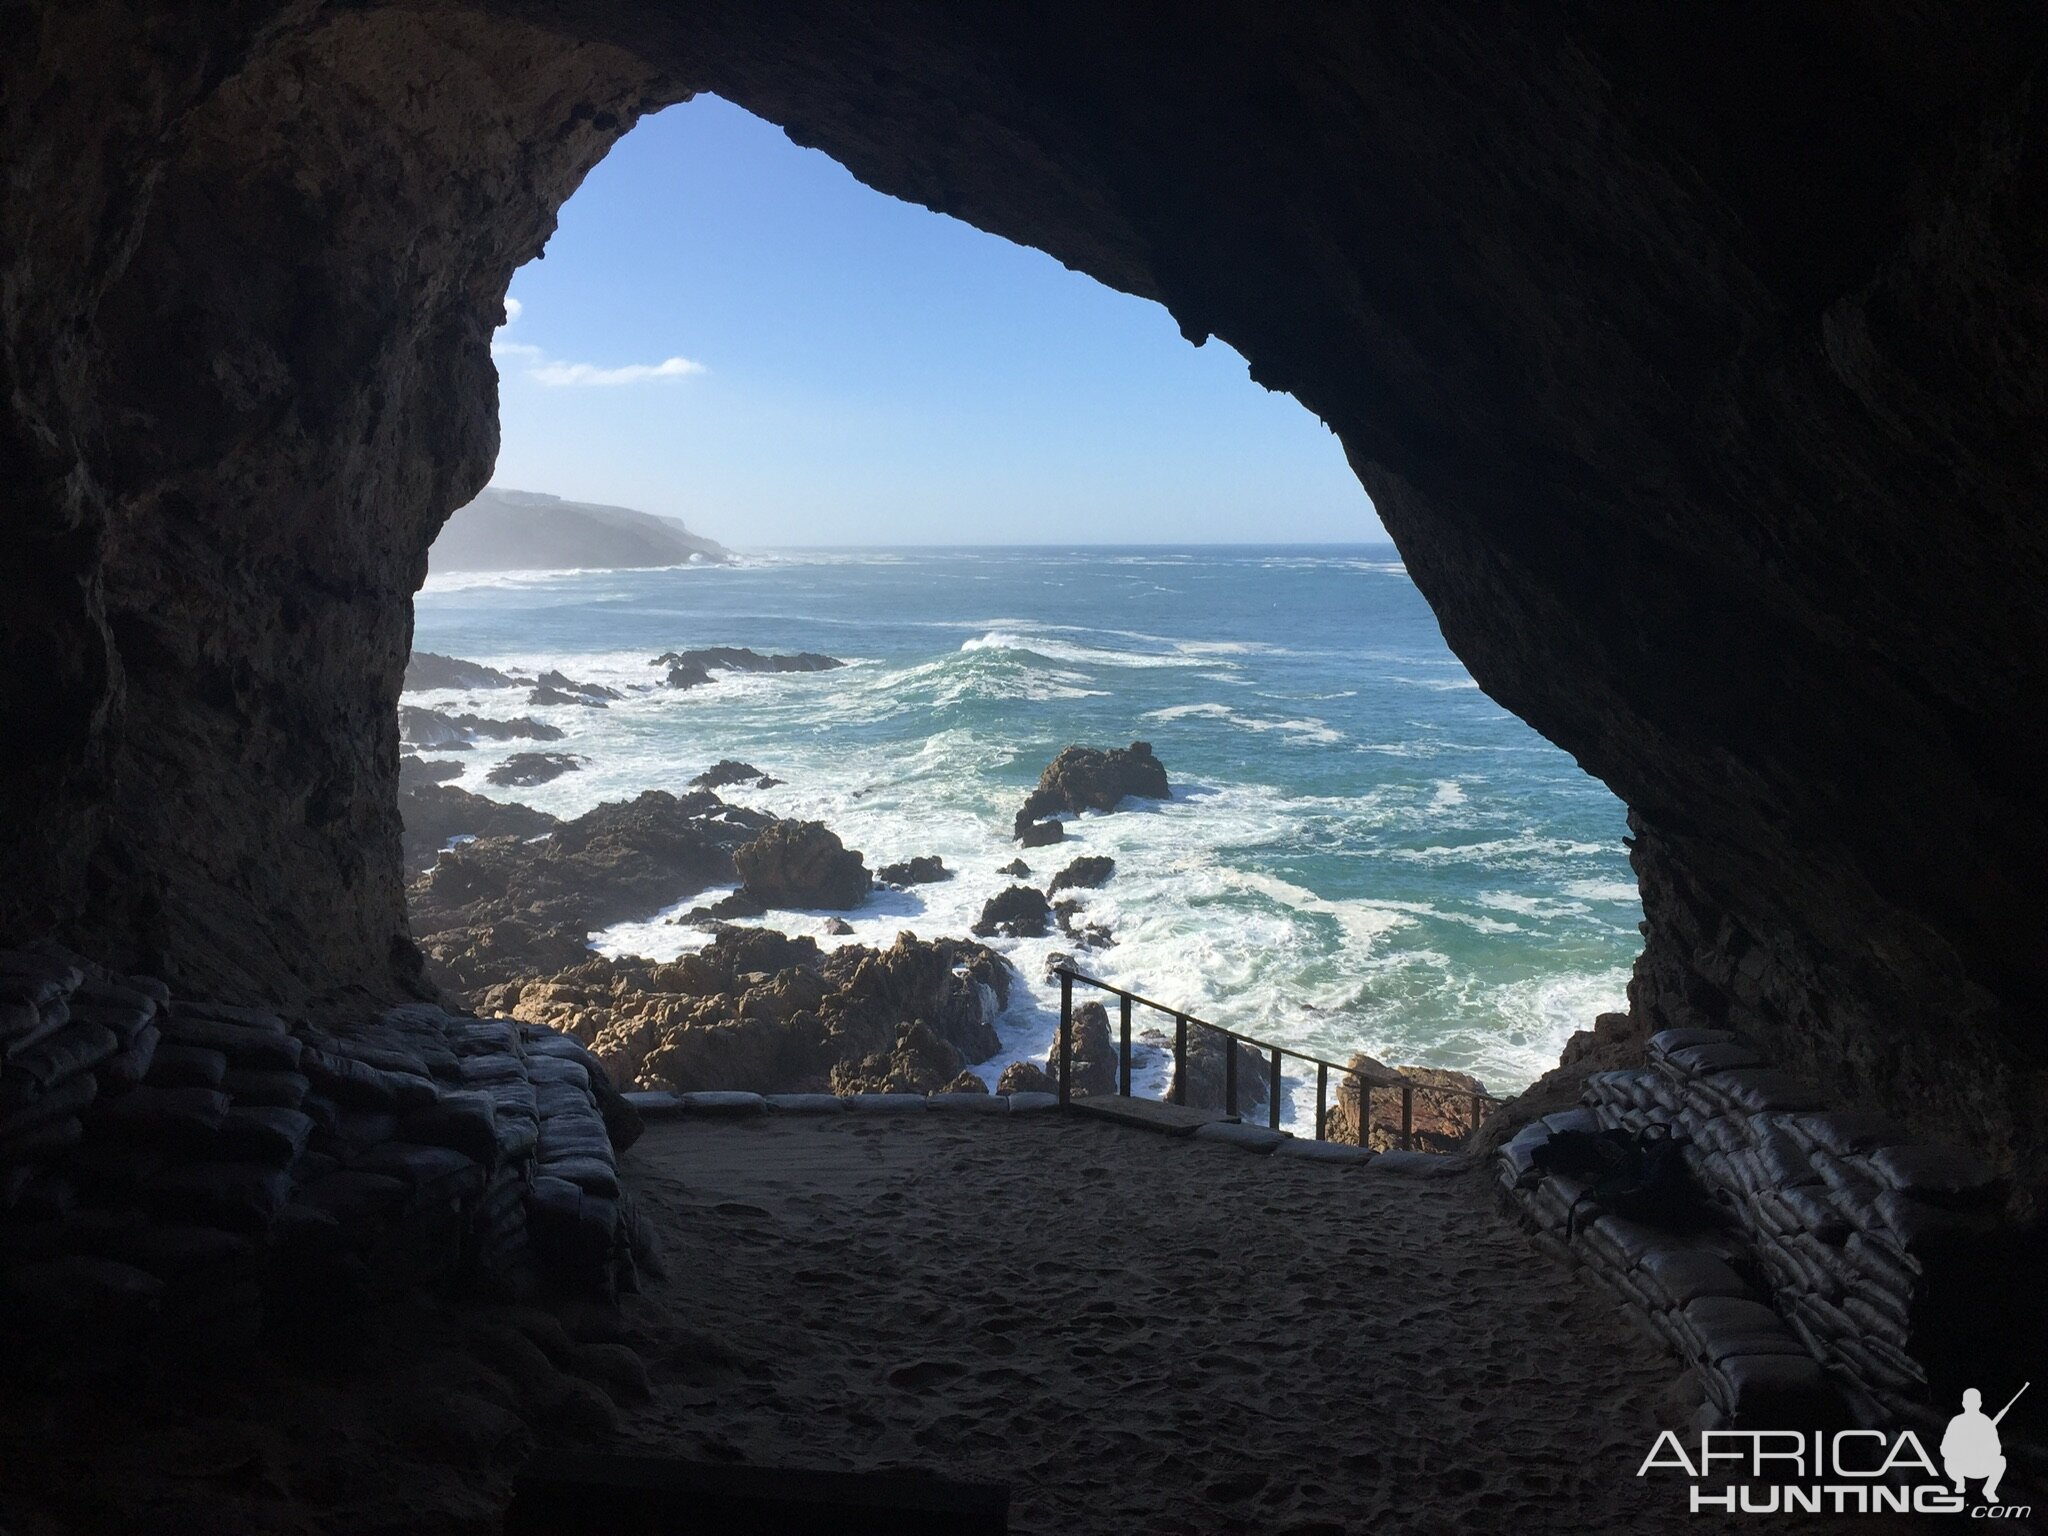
(1362, 851)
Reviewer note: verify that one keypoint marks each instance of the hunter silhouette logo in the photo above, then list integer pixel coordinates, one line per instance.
(1970, 1447)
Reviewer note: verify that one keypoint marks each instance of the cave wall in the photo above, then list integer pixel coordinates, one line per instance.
(1693, 356)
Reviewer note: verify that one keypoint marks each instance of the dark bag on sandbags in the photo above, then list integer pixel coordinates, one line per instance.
(1637, 1175)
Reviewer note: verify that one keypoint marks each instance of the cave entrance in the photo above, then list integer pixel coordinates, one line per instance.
(1028, 514)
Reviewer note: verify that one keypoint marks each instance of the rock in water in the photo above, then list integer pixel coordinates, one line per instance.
(1442, 1099)
(500, 907)
(1089, 872)
(1016, 869)
(727, 770)
(1094, 1064)
(925, 870)
(425, 671)
(436, 814)
(1208, 1074)
(1091, 779)
(1038, 834)
(522, 769)
(731, 658)
(1018, 913)
(432, 729)
(1025, 1077)
(802, 864)
(587, 690)
(418, 772)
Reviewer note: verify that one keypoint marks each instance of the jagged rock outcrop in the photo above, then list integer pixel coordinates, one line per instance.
(1021, 912)
(495, 907)
(425, 671)
(693, 669)
(1712, 436)
(925, 869)
(726, 771)
(758, 1011)
(522, 769)
(436, 814)
(1093, 1066)
(1026, 1077)
(419, 772)
(435, 731)
(1444, 1114)
(1090, 779)
(1089, 872)
(1208, 1074)
(557, 682)
(802, 864)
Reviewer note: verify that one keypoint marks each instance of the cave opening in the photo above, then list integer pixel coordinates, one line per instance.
(1031, 515)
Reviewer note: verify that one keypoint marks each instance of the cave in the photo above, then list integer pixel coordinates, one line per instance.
(1694, 360)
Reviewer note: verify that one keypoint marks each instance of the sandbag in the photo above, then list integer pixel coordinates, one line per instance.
(62, 1101)
(163, 1116)
(278, 1090)
(262, 1133)
(125, 1022)
(591, 1175)
(77, 1048)
(466, 1122)
(354, 1195)
(244, 1045)
(1752, 1089)
(185, 1066)
(413, 1164)
(242, 1197)
(1943, 1176)
(128, 1067)
(1713, 1056)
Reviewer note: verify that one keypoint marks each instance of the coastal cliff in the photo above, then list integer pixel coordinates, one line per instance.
(504, 530)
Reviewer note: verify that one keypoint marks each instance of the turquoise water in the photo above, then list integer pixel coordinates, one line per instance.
(1362, 852)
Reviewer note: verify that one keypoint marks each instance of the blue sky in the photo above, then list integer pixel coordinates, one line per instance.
(731, 330)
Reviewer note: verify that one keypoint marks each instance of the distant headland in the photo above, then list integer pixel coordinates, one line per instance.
(504, 530)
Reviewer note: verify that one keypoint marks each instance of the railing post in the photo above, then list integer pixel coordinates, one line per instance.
(1365, 1114)
(1180, 1058)
(1407, 1117)
(1475, 1113)
(1230, 1075)
(1273, 1094)
(1322, 1096)
(1066, 1038)
(1123, 1070)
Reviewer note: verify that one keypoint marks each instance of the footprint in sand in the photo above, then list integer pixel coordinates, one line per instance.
(736, 1208)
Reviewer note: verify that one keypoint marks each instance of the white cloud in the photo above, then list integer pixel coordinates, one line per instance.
(552, 371)
(631, 373)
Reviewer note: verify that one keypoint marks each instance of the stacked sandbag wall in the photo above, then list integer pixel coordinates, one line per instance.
(164, 1157)
(1836, 1268)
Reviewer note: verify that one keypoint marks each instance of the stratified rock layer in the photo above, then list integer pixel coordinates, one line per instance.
(1693, 358)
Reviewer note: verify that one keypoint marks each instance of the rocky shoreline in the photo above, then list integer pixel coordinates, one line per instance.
(505, 899)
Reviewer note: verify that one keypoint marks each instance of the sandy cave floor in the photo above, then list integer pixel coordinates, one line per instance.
(1137, 1334)
(1140, 1334)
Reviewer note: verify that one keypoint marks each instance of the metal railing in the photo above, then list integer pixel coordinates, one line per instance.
(1183, 1021)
